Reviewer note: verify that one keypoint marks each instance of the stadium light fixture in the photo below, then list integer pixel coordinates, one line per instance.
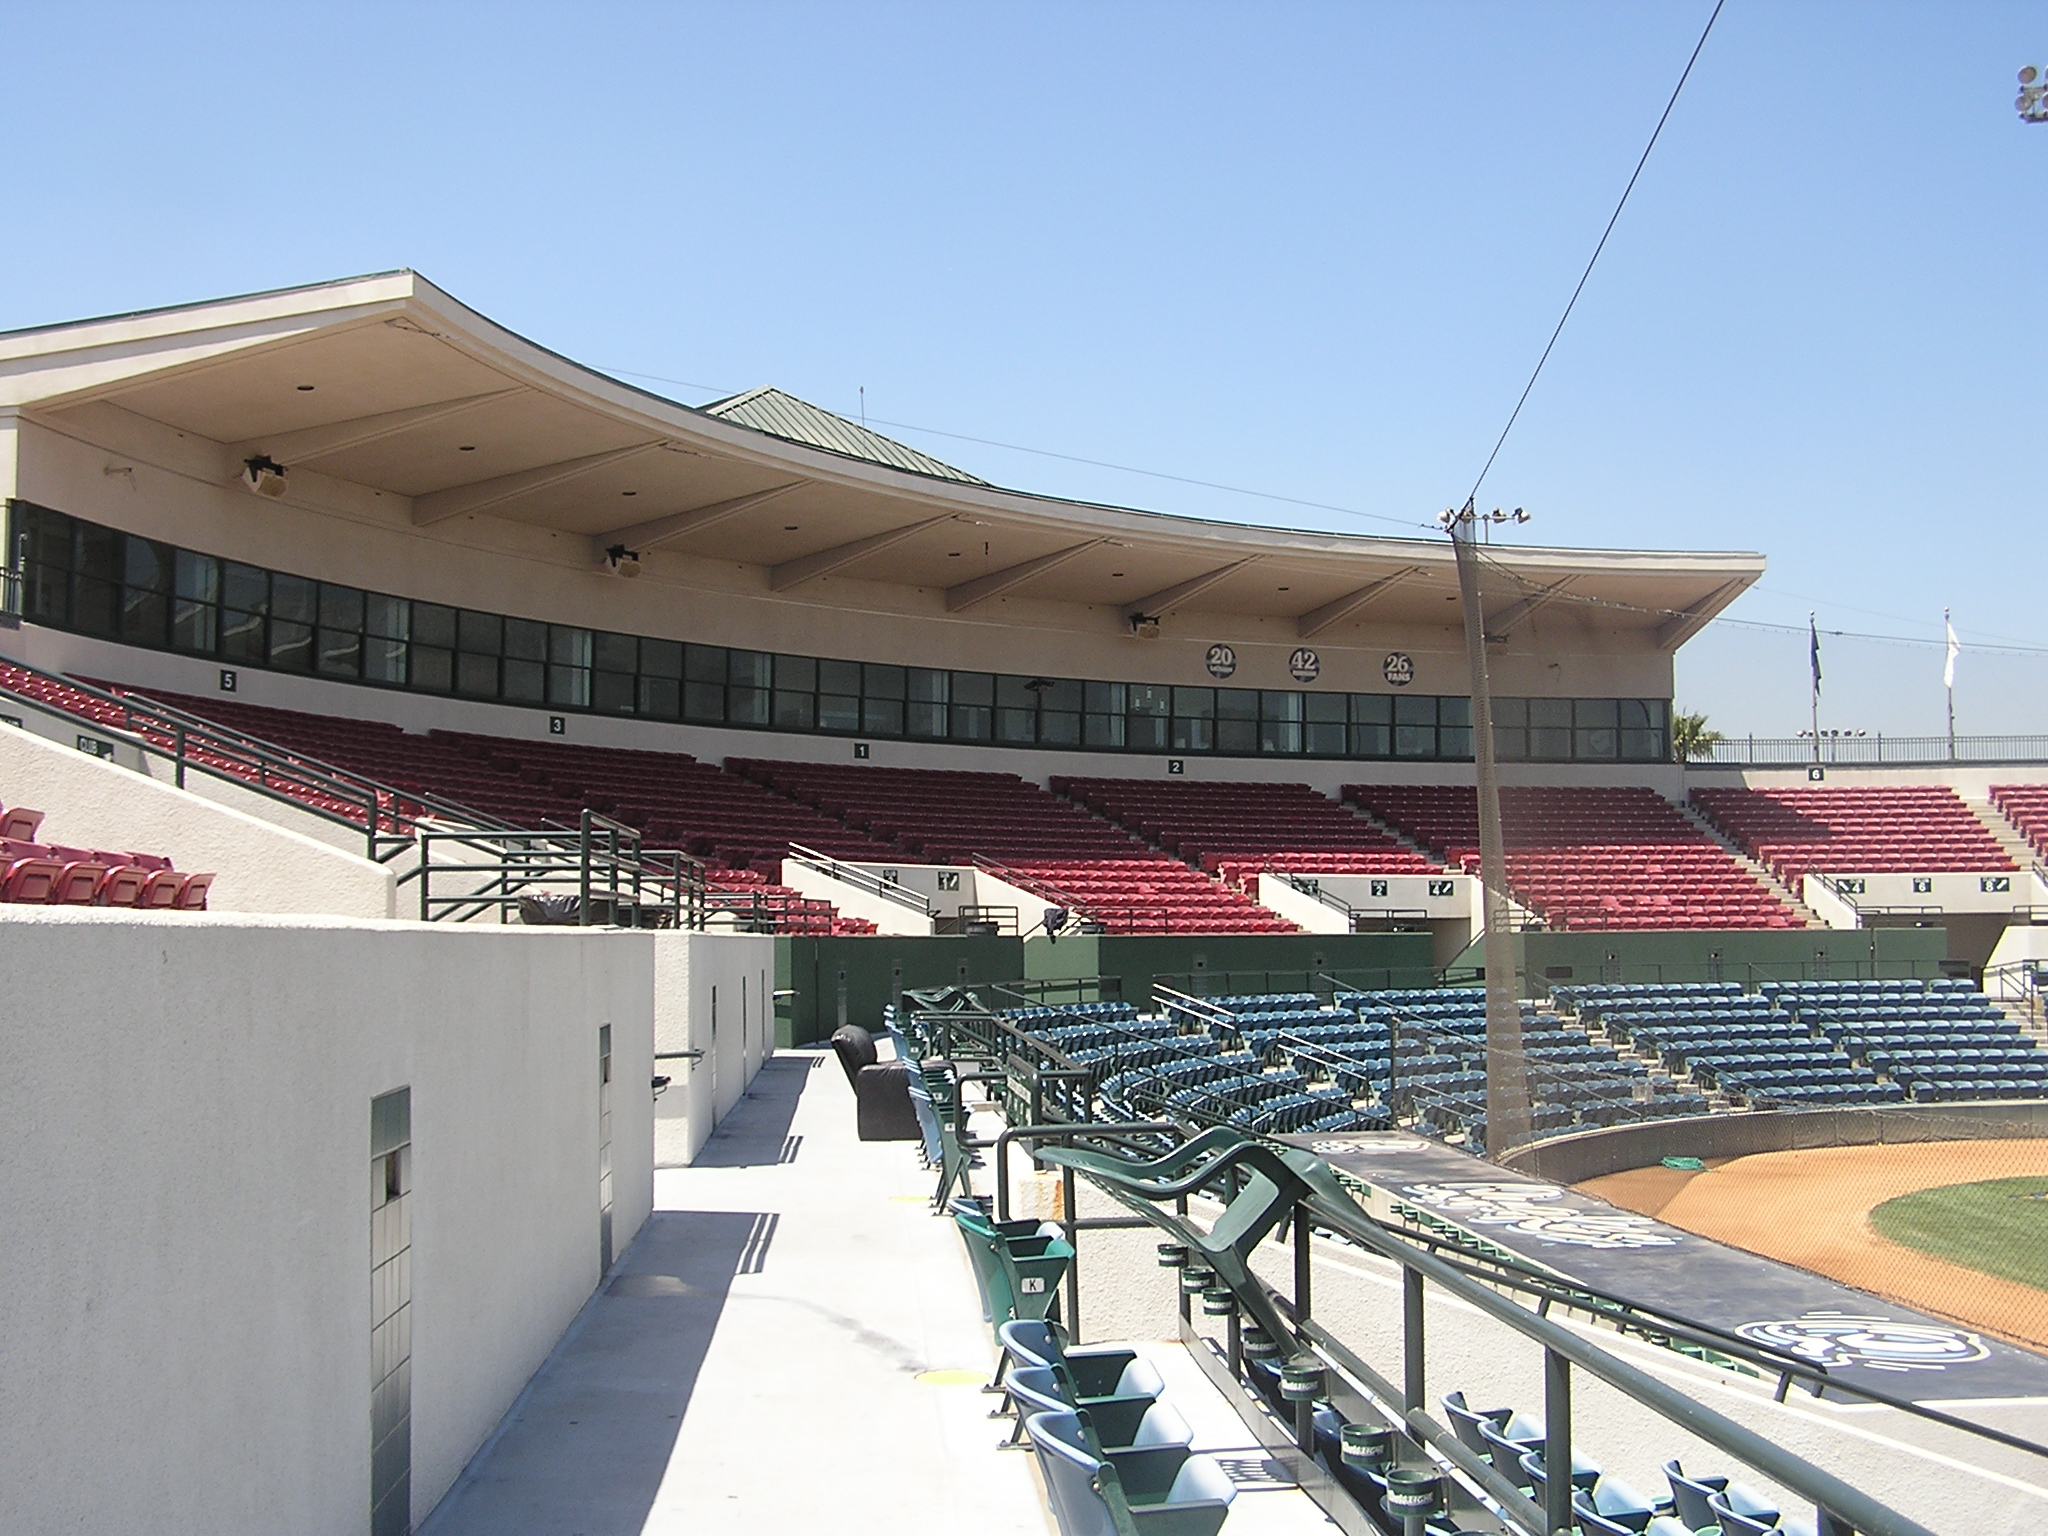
(264, 475)
(2032, 101)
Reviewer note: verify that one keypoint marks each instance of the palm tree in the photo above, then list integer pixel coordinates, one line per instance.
(1692, 737)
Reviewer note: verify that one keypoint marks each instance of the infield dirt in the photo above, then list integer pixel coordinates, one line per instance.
(1812, 1209)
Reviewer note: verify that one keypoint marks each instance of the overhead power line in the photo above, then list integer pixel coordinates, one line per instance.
(1073, 458)
(1583, 276)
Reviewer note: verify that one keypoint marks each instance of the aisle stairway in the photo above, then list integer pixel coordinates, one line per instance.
(1785, 893)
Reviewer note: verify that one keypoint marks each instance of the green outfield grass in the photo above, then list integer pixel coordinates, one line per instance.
(1997, 1227)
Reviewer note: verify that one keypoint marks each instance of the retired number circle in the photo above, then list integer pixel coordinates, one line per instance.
(1399, 669)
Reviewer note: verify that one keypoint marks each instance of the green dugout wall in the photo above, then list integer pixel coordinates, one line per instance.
(822, 980)
(1745, 955)
(817, 978)
(1234, 962)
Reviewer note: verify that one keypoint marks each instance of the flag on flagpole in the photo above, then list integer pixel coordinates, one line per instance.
(1813, 652)
(1955, 649)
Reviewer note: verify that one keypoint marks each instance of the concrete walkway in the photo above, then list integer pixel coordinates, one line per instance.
(792, 1343)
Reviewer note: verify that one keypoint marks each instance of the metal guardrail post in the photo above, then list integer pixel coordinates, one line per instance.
(1069, 1195)
(1414, 1362)
(1557, 1440)
(583, 887)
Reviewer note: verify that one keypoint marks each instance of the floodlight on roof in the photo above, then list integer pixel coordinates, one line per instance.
(2032, 100)
(264, 475)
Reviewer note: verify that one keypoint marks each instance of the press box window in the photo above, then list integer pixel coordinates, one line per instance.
(146, 592)
(928, 692)
(195, 611)
(338, 646)
(526, 661)
(245, 599)
(1550, 730)
(839, 696)
(973, 707)
(796, 693)
(95, 580)
(616, 661)
(387, 623)
(1453, 727)
(1323, 733)
(479, 641)
(1372, 725)
(1059, 712)
(661, 679)
(1596, 730)
(882, 689)
(569, 666)
(433, 648)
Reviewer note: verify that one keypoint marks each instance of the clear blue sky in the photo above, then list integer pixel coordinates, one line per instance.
(1312, 251)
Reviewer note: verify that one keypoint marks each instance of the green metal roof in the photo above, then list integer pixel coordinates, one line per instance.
(771, 411)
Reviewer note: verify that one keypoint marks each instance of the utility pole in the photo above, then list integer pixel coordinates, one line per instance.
(1507, 1071)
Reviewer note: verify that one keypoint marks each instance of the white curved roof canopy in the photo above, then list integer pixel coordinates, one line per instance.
(419, 399)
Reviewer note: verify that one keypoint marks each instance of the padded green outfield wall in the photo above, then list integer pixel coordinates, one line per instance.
(820, 981)
(1233, 962)
(1749, 956)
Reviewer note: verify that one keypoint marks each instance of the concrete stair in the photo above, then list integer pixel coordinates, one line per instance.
(1519, 916)
(2009, 837)
(1763, 872)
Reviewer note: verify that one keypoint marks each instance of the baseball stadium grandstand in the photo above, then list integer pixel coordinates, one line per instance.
(430, 739)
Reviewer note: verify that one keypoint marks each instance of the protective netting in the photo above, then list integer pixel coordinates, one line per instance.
(1943, 1209)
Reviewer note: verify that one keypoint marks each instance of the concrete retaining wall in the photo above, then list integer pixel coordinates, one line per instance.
(1590, 1154)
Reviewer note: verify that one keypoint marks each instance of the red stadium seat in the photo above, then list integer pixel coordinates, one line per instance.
(77, 884)
(19, 824)
(30, 880)
(123, 886)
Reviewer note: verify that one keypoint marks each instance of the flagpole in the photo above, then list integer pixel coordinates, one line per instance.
(1813, 660)
(1950, 680)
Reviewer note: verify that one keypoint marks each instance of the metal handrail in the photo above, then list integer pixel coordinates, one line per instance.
(1843, 1506)
(861, 879)
(1850, 751)
(1505, 1269)
(1311, 886)
(380, 818)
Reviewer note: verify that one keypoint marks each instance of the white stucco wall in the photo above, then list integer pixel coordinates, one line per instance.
(261, 867)
(714, 993)
(184, 1183)
(181, 488)
(891, 917)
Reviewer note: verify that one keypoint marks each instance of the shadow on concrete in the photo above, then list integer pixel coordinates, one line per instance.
(587, 1445)
(756, 1132)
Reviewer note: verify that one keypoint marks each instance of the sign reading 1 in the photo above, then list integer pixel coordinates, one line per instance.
(1222, 661)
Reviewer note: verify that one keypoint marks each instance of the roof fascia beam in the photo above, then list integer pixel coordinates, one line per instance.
(1504, 621)
(794, 573)
(314, 442)
(1678, 629)
(641, 537)
(1186, 591)
(439, 506)
(982, 588)
(1316, 620)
